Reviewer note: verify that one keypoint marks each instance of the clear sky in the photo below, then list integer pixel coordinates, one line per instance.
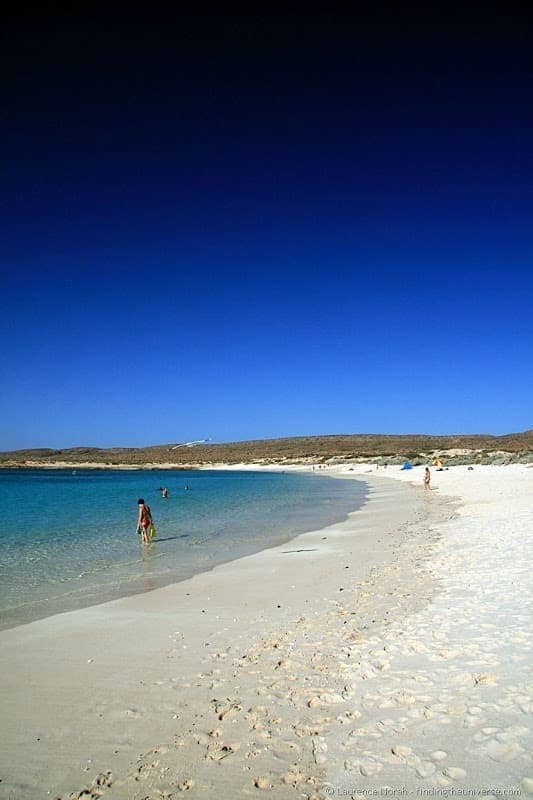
(247, 227)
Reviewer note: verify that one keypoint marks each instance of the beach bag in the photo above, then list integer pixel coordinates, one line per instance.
(152, 531)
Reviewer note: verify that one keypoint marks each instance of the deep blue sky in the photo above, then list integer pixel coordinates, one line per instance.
(255, 227)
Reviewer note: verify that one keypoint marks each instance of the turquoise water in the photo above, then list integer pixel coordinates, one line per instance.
(69, 536)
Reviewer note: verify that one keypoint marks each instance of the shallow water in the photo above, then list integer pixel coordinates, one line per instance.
(69, 536)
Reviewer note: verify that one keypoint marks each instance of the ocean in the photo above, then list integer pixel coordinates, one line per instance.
(69, 540)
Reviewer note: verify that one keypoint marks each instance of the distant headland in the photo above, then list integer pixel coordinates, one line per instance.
(330, 449)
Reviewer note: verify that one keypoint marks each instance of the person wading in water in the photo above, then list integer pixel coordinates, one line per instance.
(144, 520)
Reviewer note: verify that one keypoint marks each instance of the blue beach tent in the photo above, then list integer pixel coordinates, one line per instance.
(407, 465)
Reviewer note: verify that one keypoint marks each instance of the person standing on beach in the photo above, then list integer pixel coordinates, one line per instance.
(427, 478)
(144, 520)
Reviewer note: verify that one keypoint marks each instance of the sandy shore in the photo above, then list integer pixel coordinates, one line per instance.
(391, 650)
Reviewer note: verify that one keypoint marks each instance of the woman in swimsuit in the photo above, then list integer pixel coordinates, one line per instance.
(144, 520)
(427, 478)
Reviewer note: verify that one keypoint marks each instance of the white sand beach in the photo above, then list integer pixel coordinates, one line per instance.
(389, 654)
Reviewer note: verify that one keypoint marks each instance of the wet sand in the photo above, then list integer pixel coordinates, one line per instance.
(390, 650)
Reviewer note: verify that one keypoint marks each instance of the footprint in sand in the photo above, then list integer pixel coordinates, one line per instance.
(401, 750)
(367, 767)
(134, 712)
(262, 782)
(455, 773)
(219, 752)
(503, 752)
(185, 785)
(226, 709)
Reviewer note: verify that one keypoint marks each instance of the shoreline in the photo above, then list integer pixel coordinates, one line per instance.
(410, 669)
(128, 586)
(49, 662)
(94, 465)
